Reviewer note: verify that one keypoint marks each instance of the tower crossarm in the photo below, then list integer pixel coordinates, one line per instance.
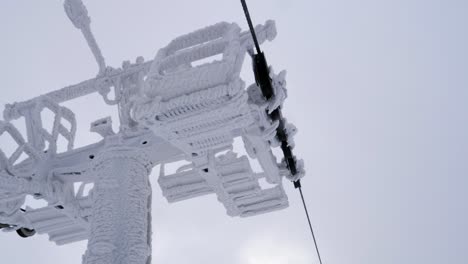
(61, 182)
(182, 105)
(84, 88)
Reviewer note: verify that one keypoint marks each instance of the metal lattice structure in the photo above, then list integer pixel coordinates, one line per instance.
(170, 110)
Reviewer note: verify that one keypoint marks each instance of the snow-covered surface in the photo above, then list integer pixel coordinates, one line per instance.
(170, 110)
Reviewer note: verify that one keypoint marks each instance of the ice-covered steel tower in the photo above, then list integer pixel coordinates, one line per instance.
(170, 109)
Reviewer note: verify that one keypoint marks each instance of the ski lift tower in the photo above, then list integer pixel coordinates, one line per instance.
(169, 110)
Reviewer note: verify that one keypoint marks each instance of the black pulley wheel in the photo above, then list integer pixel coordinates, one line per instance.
(25, 232)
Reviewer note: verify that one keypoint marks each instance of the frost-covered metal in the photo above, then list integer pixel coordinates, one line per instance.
(181, 106)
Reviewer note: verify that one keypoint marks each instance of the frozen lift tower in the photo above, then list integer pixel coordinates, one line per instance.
(170, 109)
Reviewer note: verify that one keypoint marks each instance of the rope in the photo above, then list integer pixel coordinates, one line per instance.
(249, 21)
(310, 225)
(286, 149)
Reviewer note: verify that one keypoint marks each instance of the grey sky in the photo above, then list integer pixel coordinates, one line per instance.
(378, 90)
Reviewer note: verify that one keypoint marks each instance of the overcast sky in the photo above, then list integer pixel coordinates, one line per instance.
(377, 88)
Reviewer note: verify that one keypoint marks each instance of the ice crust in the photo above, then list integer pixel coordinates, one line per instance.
(170, 110)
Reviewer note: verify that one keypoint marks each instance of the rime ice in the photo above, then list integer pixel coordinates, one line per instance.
(170, 109)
